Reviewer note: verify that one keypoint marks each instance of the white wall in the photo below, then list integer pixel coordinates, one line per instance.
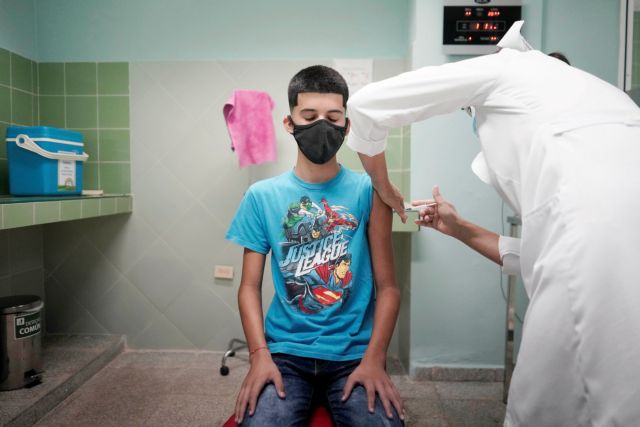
(587, 31)
(141, 30)
(18, 27)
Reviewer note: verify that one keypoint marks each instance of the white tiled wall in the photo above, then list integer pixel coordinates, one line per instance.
(150, 275)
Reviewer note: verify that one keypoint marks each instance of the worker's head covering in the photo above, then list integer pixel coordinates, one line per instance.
(514, 40)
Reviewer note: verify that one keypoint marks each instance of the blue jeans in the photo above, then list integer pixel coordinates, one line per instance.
(309, 382)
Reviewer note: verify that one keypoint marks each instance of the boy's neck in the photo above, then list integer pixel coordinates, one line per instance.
(310, 172)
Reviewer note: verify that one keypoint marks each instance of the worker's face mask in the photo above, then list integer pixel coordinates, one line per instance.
(319, 141)
(472, 113)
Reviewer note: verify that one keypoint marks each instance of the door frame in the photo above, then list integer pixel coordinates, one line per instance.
(625, 54)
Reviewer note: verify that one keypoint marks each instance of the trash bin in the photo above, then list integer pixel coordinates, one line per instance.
(20, 341)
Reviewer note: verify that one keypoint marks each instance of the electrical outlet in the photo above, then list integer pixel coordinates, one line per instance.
(223, 272)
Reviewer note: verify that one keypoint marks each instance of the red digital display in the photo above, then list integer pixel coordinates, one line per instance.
(480, 26)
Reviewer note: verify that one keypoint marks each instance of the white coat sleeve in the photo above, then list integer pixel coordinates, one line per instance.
(417, 95)
(509, 248)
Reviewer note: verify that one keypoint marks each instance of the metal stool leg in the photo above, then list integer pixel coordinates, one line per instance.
(509, 365)
(234, 345)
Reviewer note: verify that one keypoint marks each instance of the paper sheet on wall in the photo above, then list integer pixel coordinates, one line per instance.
(357, 72)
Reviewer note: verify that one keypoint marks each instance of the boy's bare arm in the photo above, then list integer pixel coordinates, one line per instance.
(263, 371)
(376, 168)
(250, 299)
(371, 373)
(387, 292)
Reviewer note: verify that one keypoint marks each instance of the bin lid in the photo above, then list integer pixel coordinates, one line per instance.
(44, 132)
(18, 303)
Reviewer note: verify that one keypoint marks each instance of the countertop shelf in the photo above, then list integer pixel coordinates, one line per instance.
(409, 227)
(25, 211)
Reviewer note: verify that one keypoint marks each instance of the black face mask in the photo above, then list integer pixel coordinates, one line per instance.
(319, 141)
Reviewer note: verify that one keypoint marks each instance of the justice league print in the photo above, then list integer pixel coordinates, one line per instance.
(316, 260)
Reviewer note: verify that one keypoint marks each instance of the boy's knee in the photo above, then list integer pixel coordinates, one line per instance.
(269, 409)
(358, 411)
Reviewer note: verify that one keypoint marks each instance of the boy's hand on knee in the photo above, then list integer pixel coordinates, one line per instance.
(375, 380)
(263, 371)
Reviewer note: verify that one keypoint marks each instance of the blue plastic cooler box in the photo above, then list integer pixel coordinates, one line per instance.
(44, 161)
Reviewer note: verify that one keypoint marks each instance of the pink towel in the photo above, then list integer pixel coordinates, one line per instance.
(250, 124)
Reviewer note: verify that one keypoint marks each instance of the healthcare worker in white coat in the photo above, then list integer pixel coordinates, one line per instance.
(562, 148)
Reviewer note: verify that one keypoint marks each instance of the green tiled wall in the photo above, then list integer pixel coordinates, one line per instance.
(21, 262)
(398, 155)
(635, 65)
(92, 98)
(18, 101)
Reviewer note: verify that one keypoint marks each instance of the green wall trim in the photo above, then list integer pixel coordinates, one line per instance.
(15, 213)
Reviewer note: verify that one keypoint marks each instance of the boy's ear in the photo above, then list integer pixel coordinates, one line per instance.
(288, 126)
(348, 127)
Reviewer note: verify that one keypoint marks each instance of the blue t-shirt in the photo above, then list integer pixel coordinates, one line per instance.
(324, 296)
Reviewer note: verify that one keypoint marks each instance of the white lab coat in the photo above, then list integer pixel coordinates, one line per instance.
(563, 149)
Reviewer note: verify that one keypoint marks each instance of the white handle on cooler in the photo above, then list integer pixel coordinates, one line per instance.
(24, 141)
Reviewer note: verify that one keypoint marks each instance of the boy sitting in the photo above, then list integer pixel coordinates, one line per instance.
(326, 334)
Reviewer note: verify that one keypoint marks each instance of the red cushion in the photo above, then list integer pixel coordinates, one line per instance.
(319, 418)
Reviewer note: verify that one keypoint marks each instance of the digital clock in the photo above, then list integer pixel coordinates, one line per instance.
(470, 28)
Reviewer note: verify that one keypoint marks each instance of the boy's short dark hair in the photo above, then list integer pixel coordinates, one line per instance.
(320, 79)
(561, 56)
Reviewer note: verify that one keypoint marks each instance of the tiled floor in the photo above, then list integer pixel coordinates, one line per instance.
(68, 361)
(186, 389)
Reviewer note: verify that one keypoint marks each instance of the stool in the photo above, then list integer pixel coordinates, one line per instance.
(320, 417)
(234, 345)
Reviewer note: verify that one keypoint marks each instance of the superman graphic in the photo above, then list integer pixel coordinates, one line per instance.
(327, 285)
